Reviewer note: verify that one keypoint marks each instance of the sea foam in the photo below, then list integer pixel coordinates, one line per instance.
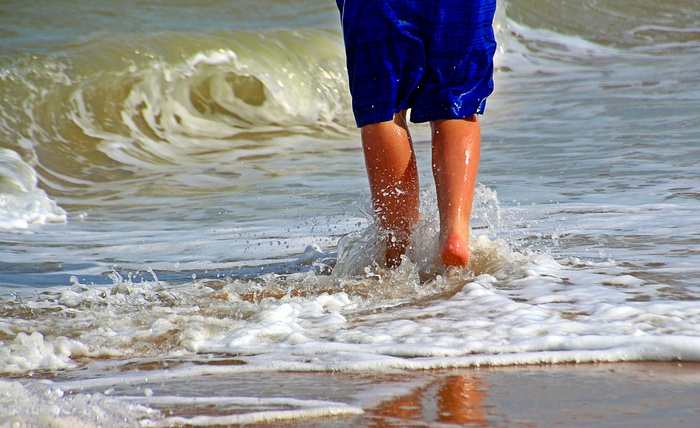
(22, 202)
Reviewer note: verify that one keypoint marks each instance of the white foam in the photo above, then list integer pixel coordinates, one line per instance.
(305, 409)
(522, 309)
(42, 404)
(479, 325)
(30, 351)
(547, 314)
(22, 202)
(254, 417)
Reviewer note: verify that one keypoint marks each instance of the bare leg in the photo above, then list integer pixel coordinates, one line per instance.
(393, 180)
(456, 146)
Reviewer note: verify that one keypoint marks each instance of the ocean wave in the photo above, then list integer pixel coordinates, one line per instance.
(172, 98)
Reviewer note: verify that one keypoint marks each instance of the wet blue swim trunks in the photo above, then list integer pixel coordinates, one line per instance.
(432, 56)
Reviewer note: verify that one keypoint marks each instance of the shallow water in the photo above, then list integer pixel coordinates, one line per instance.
(183, 197)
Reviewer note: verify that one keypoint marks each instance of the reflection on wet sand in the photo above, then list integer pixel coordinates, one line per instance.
(455, 400)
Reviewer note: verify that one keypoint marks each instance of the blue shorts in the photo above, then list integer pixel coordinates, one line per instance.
(432, 56)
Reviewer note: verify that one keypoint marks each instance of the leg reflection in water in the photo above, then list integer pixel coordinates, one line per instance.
(457, 399)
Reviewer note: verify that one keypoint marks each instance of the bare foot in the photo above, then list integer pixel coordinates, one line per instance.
(455, 250)
(395, 248)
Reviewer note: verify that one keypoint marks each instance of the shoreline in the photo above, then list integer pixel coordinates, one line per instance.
(639, 394)
(624, 394)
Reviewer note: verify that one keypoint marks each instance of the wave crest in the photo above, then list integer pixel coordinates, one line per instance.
(172, 98)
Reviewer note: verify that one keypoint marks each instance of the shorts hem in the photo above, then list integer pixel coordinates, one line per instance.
(430, 115)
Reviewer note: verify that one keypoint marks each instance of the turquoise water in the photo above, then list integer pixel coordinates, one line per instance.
(182, 191)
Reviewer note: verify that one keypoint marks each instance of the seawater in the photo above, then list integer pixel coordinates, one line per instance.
(183, 197)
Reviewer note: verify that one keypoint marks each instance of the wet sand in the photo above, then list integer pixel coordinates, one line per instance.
(576, 395)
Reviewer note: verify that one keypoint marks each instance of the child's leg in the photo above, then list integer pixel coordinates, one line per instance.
(393, 179)
(456, 145)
